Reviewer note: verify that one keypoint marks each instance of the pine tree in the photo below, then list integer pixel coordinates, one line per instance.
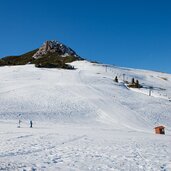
(116, 79)
(137, 84)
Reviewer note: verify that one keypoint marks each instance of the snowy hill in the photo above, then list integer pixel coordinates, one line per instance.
(87, 94)
(86, 98)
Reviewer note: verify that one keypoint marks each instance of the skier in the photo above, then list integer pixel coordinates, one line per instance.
(19, 122)
(31, 124)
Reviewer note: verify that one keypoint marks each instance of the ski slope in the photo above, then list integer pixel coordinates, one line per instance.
(83, 120)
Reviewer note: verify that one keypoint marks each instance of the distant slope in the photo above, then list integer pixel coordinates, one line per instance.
(85, 95)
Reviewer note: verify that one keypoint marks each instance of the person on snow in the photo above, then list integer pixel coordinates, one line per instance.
(19, 122)
(31, 124)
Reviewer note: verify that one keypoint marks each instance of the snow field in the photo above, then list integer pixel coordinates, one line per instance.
(81, 147)
(83, 120)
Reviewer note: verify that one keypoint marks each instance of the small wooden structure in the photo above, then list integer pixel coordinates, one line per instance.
(159, 130)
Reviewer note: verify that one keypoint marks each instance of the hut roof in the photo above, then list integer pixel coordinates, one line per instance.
(159, 127)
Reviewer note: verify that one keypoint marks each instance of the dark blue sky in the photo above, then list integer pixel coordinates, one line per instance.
(130, 33)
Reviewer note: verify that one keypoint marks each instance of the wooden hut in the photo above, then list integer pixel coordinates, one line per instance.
(159, 130)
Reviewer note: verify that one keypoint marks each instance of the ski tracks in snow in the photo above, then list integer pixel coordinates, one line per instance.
(78, 147)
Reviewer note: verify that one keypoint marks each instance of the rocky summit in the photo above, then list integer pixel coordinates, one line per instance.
(53, 46)
(52, 54)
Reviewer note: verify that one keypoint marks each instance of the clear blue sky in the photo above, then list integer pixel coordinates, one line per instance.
(130, 33)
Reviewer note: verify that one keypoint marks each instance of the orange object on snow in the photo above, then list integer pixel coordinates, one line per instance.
(159, 130)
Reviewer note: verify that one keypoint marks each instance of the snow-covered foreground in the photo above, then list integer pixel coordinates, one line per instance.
(81, 147)
(83, 120)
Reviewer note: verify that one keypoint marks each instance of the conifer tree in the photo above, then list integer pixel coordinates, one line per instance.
(116, 79)
(137, 84)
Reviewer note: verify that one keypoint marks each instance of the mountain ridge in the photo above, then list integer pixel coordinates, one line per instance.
(52, 54)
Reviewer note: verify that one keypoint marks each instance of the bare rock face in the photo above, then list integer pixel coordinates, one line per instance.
(54, 46)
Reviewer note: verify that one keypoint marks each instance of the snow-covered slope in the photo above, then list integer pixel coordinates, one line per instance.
(84, 120)
(87, 94)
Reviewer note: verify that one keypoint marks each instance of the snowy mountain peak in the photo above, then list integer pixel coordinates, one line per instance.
(54, 46)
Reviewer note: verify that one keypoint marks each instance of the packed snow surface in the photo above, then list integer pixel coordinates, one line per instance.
(83, 120)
